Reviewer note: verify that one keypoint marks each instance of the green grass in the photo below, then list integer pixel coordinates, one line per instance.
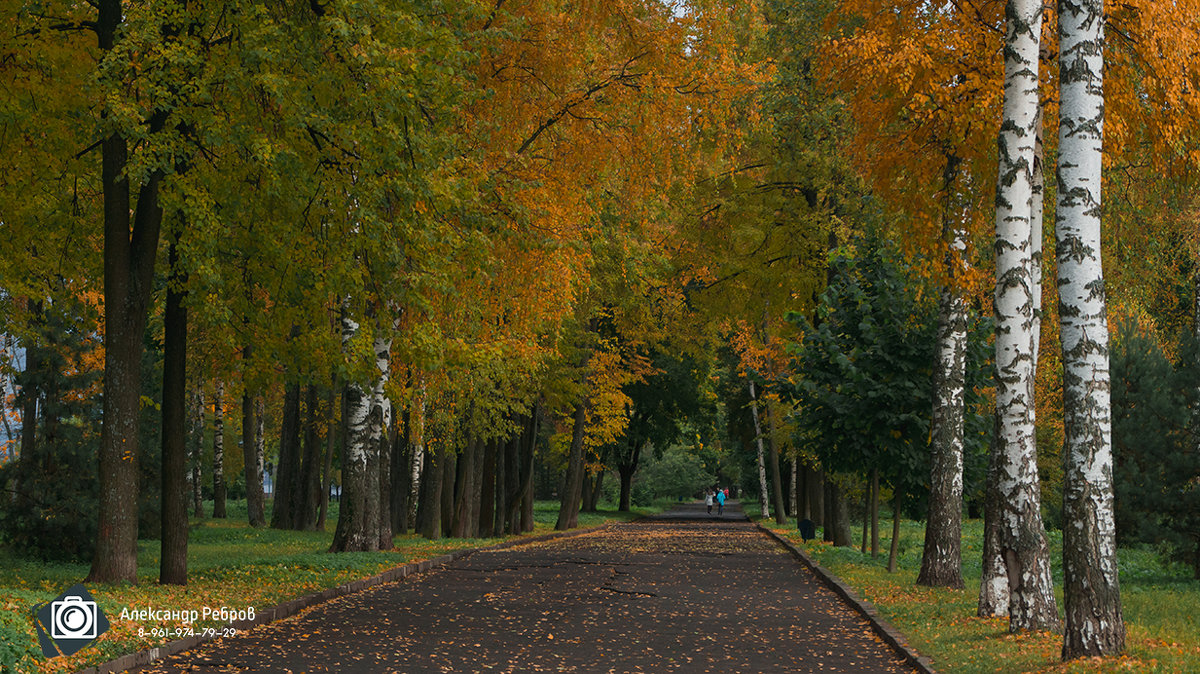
(230, 565)
(1161, 605)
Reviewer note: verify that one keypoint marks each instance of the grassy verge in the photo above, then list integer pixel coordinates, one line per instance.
(230, 565)
(1161, 606)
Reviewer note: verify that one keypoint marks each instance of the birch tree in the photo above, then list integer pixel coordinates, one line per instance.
(941, 561)
(1016, 498)
(365, 410)
(762, 469)
(1094, 625)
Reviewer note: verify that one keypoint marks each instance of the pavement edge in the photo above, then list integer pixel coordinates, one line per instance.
(295, 606)
(884, 629)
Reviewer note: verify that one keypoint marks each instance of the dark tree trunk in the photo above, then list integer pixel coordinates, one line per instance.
(568, 512)
(773, 455)
(173, 564)
(527, 522)
(816, 496)
(464, 488)
(309, 482)
(219, 452)
(521, 475)
(487, 491)
(429, 508)
(626, 474)
(841, 516)
(254, 486)
(129, 259)
(449, 485)
(875, 513)
(894, 552)
(331, 434)
(593, 503)
(287, 469)
(401, 475)
(830, 518)
(585, 492)
(506, 455)
(866, 522)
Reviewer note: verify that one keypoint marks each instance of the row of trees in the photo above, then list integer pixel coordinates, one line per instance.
(404, 231)
(425, 241)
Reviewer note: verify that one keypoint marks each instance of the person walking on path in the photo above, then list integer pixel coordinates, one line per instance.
(708, 500)
(720, 503)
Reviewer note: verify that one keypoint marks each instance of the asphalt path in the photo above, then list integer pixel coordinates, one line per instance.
(682, 592)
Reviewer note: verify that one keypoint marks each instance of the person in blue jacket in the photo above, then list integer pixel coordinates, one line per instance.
(720, 502)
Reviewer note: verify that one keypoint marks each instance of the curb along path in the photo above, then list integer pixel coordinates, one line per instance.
(679, 592)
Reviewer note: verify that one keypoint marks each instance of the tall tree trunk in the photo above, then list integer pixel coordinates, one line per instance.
(487, 491)
(568, 512)
(219, 451)
(816, 497)
(449, 473)
(527, 522)
(993, 584)
(309, 482)
(794, 489)
(418, 458)
(255, 509)
(129, 259)
(429, 510)
(197, 454)
(776, 477)
(287, 469)
(594, 505)
(894, 550)
(364, 414)
(803, 506)
(875, 513)
(941, 559)
(866, 521)
(523, 480)
(763, 493)
(505, 458)
(1094, 624)
(401, 460)
(331, 434)
(1022, 535)
(385, 444)
(463, 526)
(173, 555)
(260, 443)
(841, 516)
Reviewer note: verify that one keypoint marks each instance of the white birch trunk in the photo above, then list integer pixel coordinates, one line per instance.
(358, 518)
(219, 451)
(197, 455)
(1094, 624)
(1021, 535)
(762, 469)
(941, 560)
(260, 441)
(418, 457)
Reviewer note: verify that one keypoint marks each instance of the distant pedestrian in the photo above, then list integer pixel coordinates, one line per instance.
(708, 500)
(720, 502)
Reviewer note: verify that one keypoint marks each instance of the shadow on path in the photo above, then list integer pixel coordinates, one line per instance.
(678, 593)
